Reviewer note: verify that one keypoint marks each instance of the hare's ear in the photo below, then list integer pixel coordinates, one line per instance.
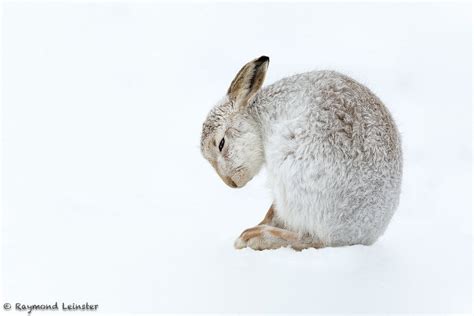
(248, 80)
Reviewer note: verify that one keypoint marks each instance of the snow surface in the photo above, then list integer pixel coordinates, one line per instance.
(106, 198)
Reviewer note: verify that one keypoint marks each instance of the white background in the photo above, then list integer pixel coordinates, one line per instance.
(107, 199)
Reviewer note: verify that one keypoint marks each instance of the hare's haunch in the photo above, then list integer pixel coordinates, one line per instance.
(331, 149)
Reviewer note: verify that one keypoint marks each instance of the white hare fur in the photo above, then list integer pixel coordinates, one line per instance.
(331, 149)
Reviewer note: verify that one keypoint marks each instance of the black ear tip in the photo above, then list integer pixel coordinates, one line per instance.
(263, 59)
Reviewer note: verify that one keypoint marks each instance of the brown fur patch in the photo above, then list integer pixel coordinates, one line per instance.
(269, 217)
(283, 234)
(251, 233)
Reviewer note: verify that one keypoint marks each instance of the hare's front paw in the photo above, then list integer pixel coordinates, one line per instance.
(260, 238)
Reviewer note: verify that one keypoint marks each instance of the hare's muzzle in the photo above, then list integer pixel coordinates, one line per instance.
(232, 184)
(228, 181)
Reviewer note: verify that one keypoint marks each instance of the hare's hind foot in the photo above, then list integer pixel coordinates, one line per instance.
(263, 237)
(270, 233)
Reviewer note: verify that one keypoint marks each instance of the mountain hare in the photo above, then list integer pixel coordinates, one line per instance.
(330, 146)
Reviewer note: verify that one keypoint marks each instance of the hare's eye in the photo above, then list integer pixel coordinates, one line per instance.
(221, 144)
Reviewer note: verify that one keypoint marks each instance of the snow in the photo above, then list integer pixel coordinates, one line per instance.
(107, 200)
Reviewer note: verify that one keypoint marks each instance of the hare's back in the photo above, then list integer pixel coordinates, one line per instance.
(330, 111)
(345, 117)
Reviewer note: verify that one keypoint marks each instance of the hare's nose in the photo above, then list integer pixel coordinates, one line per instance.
(228, 180)
(231, 183)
